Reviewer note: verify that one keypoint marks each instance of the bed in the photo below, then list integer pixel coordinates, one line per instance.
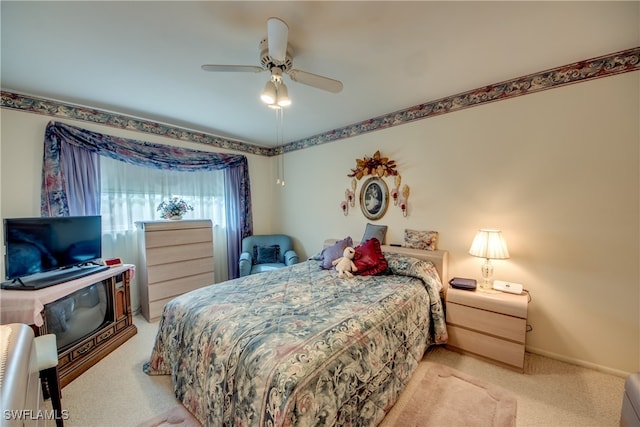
(298, 346)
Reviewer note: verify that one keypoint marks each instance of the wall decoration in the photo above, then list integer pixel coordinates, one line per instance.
(395, 192)
(376, 166)
(400, 198)
(374, 198)
(344, 205)
(374, 194)
(352, 193)
(404, 200)
(349, 197)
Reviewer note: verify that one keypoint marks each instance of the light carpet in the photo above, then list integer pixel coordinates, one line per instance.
(441, 396)
(177, 416)
(436, 396)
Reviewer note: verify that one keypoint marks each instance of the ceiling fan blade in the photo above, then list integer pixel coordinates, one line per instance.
(277, 35)
(235, 68)
(320, 82)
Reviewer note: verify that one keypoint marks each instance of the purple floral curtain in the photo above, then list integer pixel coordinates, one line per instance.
(233, 208)
(81, 169)
(58, 186)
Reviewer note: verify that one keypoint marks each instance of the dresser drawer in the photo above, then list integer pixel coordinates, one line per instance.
(156, 308)
(507, 352)
(178, 286)
(175, 253)
(167, 272)
(500, 325)
(177, 237)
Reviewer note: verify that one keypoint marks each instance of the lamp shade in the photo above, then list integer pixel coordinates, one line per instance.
(269, 93)
(489, 244)
(283, 96)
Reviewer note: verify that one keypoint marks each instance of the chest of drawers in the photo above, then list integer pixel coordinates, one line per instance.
(176, 257)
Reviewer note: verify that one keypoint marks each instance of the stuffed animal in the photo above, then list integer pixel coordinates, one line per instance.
(344, 265)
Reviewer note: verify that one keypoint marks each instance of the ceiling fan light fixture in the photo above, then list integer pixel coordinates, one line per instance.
(283, 96)
(276, 57)
(269, 94)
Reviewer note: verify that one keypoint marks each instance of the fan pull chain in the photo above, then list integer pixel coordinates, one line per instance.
(279, 144)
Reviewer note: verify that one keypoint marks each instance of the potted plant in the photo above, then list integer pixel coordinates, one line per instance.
(174, 208)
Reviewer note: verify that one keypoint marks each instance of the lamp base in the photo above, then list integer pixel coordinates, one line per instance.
(487, 275)
(485, 285)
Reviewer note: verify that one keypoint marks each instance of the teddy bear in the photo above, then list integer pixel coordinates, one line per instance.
(344, 265)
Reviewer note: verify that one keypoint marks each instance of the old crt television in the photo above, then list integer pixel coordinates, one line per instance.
(45, 251)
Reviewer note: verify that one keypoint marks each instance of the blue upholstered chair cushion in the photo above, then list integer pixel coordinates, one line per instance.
(266, 252)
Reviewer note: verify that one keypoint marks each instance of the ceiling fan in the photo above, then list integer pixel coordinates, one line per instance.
(276, 57)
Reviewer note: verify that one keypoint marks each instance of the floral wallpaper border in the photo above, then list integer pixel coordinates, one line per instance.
(68, 111)
(603, 66)
(608, 65)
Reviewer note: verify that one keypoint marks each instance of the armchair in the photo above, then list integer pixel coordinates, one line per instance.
(266, 252)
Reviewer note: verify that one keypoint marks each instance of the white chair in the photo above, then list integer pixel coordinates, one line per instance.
(47, 356)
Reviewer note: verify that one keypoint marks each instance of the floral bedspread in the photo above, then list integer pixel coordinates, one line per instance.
(298, 346)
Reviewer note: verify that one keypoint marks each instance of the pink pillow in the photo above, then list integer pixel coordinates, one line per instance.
(369, 258)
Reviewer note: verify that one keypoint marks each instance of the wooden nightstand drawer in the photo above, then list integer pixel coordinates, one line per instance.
(508, 327)
(493, 348)
(498, 302)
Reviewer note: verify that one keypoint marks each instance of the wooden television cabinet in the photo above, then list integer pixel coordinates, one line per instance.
(78, 356)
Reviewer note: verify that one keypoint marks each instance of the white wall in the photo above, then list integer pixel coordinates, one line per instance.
(21, 151)
(557, 171)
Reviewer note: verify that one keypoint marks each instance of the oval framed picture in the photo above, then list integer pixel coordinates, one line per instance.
(374, 198)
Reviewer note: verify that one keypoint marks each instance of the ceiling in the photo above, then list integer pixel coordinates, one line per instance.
(143, 58)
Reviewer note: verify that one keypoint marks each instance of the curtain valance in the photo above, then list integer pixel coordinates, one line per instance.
(142, 153)
(54, 200)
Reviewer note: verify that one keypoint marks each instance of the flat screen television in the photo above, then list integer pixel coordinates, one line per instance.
(44, 251)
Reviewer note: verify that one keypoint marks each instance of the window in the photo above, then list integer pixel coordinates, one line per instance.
(133, 196)
(131, 193)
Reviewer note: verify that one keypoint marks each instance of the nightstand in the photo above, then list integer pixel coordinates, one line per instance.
(488, 323)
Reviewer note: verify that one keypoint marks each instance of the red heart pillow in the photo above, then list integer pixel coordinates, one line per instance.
(369, 258)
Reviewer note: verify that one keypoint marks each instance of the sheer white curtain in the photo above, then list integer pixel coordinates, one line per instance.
(131, 193)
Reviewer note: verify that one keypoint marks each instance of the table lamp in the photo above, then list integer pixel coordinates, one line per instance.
(488, 244)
